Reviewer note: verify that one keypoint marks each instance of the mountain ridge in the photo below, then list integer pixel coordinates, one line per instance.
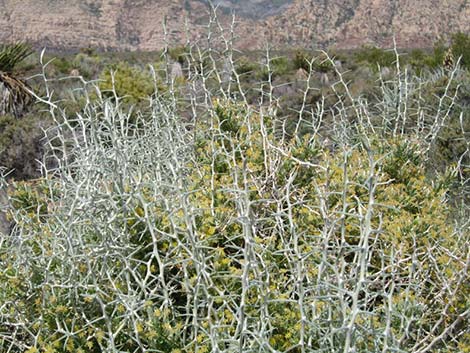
(138, 25)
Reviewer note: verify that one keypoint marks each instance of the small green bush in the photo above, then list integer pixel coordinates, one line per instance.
(89, 66)
(301, 60)
(179, 54)
(245, 66)
(63, 65)
(280, 65)
(322, 64)
(461, 48)
(436, 59)
(21, 144)
(375, 57)
(129, 82)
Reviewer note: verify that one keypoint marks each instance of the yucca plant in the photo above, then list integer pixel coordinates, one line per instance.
(14, 92)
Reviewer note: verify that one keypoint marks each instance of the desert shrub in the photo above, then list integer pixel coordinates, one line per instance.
(417, 60)
(301, 60)
(375, 57)
(421, 60)
(131, 83)
(461, 48)
(28, 65)
(89, 51)
(21, 144)
(63, 65)
(179, 54)
(306, 238)
(88, 65)
(306, 61)
(280, 65)
(436, 58)
(245, 66)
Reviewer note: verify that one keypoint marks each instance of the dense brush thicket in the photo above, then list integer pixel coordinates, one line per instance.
(221, 216)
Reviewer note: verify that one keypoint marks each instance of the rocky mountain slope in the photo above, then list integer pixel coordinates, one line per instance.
(138, 24)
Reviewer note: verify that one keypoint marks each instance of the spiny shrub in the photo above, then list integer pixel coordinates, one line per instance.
(178, 237)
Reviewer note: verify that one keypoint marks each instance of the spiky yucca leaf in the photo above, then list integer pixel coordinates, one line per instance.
(12, 54)
(15, 95)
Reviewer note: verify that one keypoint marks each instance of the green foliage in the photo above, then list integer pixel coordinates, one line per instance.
(280, 65)
(88, 66)
(375, 57)
(245, 66)
(438, 54)
(179, 54)
(322, 64)
(12, 54)
(416, 58)
(128, 82)
(14, 93)
(461, 48)
(89, 51)
(31, 197)
(301, 60)
(63, 65)
(21, 142)
(421, 60)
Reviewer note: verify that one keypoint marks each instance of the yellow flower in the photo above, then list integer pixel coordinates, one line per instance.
(49, 349)
(202, 349)
(120, 308)
(99, 336)
(139, 211)
(60, 309)
(210, 230)
(167, 327)
(152, 334)
(70, 346)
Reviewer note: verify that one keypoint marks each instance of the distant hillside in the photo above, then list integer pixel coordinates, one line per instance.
(138, 25)
(255, 9)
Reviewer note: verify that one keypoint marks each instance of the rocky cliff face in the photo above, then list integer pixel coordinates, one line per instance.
(351, 23)
(138, 24)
